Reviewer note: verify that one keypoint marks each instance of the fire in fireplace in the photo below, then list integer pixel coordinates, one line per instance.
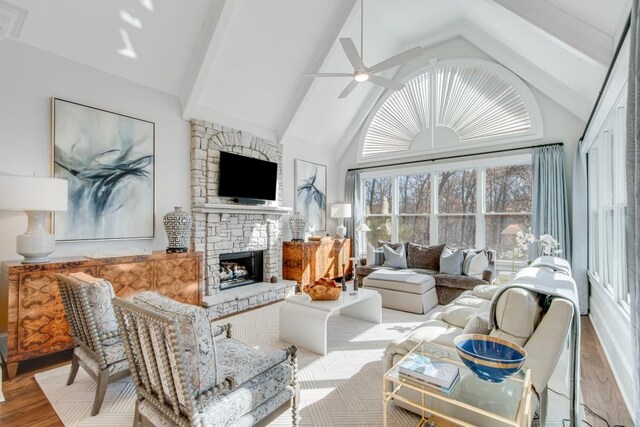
(240, 268)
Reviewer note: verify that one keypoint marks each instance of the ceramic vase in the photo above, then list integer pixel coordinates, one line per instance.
(177, 225)
(297, 224)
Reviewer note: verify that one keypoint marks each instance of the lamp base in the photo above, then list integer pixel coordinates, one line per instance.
(36, 243)
(35, 248)
(341, 231)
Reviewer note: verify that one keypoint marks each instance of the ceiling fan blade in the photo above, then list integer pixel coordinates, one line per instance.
(398, 59)
(352, 53)
(347, 90)
(388, 83)
(327, 75)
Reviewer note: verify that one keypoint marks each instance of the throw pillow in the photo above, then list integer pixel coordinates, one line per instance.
(421, 256)
(375, 256)
(475, 264)
(100, 293)
(394, 258)
(479, 321)
(451, 261)
(467, 262)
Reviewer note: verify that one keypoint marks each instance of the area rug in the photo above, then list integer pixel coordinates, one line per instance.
(343, 388)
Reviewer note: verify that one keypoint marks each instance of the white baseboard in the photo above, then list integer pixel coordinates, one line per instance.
(614, 332)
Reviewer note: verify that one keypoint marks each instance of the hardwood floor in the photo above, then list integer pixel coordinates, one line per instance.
(26, 405)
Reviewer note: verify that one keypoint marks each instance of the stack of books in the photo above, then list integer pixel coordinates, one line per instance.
(436, 374)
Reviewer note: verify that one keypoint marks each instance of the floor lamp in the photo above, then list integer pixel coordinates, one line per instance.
(362, 229)
(512, 230)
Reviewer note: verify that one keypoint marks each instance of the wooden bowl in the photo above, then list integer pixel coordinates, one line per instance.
(323, 290)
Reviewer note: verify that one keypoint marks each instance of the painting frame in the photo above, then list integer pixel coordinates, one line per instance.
(316, 215)
(137, 179)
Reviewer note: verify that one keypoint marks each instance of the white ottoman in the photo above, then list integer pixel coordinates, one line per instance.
(404, 290)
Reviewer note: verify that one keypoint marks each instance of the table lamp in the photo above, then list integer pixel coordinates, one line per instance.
(37, 196)
(341, 211)
(363, 229)
(512, 230)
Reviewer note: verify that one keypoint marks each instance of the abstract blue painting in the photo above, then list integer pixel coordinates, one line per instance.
(311, 193)
(108, 159)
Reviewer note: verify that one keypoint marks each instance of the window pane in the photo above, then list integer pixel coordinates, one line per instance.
(457, 191)
(413, 229)
(377, 196)
(380, 229)
(457, 231)
(414, 194)
(508, 189)
(505, 244)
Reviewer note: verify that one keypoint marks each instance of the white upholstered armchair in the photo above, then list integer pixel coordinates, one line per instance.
(190, 373)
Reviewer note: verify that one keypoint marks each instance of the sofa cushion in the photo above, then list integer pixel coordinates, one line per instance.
(485, 291)
(458, 315)
(400, 280)
(458, 281)
(435, 331)
(451, 261)
(100, 293)
(518, 312)
(395, 258)
(422, 256)
(365, 270)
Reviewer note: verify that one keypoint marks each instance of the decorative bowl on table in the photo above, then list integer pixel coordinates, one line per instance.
(490, 358)
(323, 290)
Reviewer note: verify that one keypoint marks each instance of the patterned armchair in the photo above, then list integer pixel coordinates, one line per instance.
(98, 347)
(190, 373)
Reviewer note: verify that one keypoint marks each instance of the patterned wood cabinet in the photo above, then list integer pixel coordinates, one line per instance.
(306, 262)
(31, 312)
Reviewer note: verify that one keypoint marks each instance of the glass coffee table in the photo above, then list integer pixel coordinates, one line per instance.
(472, 402)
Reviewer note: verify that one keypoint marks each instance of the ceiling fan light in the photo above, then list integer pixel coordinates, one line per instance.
(361, 77)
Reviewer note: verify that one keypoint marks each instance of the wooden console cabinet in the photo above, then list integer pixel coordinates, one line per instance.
(31, 312)
(306, 262)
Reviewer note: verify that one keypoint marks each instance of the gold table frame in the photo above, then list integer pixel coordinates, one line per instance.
(392, 385)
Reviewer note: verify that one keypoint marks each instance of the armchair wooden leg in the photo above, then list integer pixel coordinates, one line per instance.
(74, 370)
(103, 382)
(136, 416)
(295, 400)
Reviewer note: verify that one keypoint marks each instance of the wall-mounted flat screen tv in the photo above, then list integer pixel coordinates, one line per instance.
(244, 177)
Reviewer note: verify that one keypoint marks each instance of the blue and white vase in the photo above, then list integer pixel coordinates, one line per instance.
(177, 225)
(297, 224)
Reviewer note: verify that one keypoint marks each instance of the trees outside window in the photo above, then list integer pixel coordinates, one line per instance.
(457, 208)
(378, 205)
(414, 207)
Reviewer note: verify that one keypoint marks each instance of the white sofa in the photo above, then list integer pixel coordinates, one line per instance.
(537, 323)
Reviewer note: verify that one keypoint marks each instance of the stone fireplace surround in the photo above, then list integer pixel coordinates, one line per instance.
(221, 226)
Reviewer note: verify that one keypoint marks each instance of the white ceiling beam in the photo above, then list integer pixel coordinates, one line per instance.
(304, 83)
(11, 19)
(211, 36)
(224, 119)
(585, 41)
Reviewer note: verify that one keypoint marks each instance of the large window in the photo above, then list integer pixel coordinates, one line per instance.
(508, 208)
(466, 205)
(607, 206)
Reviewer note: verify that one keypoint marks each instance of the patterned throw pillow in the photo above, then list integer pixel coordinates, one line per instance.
(475, 264)
(451, 261)
(394, 258)
(375, 256)
(479, 322)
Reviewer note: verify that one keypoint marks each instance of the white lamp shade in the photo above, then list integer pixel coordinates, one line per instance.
(511, 229)
(341, 210)
(363, 227)
(31, 193)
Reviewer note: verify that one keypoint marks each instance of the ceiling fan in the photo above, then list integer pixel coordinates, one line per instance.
(361, 73)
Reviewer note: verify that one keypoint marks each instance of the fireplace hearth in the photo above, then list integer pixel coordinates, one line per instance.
(240, 269)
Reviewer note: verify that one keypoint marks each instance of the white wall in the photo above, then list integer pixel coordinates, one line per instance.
(29, 77)
(559, 125)
(296, 148)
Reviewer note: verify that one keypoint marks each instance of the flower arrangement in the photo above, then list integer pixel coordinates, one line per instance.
(545, 244)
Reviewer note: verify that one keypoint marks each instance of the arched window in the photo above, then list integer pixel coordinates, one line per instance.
(471, 102)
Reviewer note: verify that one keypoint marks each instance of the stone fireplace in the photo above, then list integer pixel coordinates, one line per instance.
(240, 269)
(222, 227)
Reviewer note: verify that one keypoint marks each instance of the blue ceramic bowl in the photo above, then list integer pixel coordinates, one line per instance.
(491, 359)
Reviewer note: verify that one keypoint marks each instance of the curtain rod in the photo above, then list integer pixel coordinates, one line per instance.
(606, 77)
(506, 150)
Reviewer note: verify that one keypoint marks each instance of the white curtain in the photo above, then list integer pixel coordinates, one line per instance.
(352, 195)
(633, 198)
(550, 196)
(579, 228)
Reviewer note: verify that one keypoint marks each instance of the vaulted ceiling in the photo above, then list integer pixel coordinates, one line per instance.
(239, 62)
